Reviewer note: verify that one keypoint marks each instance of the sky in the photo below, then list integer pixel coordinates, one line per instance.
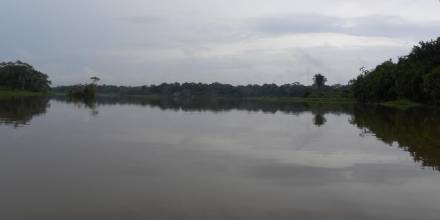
(142, 42)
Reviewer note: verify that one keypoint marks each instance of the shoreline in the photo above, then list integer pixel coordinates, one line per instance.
(400, 104)
(20, 93)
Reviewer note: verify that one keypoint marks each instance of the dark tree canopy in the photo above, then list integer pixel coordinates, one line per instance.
(319, 80)
(22, 76)
(415, 77)
(216, 90)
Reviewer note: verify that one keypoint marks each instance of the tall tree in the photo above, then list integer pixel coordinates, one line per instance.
(319, 80)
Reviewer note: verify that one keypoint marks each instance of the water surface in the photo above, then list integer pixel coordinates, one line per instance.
(218, 159)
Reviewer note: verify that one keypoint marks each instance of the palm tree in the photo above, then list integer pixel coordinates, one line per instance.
(94, 79)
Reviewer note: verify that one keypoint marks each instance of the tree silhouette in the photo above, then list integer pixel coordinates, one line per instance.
(319, 80)
(95, 79)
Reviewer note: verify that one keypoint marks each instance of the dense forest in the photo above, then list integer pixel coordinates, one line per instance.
(415, 77)
(22, 76)
(224, 90)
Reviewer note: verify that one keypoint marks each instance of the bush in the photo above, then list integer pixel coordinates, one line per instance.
(83, 92)
(22, 76)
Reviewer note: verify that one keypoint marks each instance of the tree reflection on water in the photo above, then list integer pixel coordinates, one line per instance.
(415, 130)
(19, 111)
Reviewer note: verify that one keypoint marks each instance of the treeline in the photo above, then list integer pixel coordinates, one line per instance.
(22, 76)
(220, 90)
(415, 77)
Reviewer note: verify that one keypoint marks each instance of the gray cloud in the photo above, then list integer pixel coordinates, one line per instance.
(141, 19)
(141, 42)
(373, 25)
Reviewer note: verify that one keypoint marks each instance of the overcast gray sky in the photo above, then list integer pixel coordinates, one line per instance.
(136, 42)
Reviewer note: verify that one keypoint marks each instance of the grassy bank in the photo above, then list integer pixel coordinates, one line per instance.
(300, 99)
(19, 93)
(401, 104)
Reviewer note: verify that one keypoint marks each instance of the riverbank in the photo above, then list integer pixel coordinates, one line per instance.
(325, 100)
(301, 99)
(401, 104)
(19, 93)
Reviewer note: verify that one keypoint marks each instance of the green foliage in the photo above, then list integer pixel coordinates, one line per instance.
(376, 85)
(19, 93)
(22, 76)
(401, 104)
(414, 77)
(431, 83)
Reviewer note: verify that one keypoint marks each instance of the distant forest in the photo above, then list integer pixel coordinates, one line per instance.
(415, 77)
(223, 90)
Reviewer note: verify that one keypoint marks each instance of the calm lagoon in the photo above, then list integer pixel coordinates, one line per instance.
(133, 158)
